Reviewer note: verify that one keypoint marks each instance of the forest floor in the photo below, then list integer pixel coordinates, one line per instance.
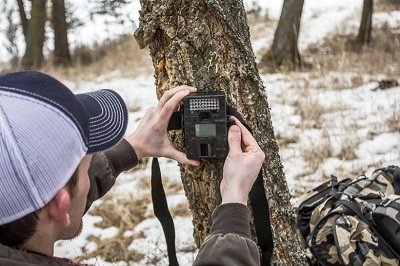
(331, 118)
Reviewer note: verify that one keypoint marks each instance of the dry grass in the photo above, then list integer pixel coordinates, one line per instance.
(336, 82)
(170, 186)
(142, 164)
(122, 55)
(340, 53)
(347, 152)
(393, 121)
(316, 153)
(124, 214)
(181, 209)
(386, 5)
(310, 110)
(285, 140)
(259, 24)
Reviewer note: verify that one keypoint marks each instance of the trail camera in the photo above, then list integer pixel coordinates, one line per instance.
(204, 124)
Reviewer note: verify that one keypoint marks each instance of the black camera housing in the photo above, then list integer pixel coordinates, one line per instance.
(205, 126)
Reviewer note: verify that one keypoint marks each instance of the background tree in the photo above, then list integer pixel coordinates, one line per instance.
(60, 26)
(22, 16)
(364, 32)
(284, 50)
(33, 56)
(206, 43)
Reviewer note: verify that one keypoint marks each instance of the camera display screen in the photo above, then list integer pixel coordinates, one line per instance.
(206, 130)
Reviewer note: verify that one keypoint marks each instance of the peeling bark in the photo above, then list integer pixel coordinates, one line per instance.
(206, 44)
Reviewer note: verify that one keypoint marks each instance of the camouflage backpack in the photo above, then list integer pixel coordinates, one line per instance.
(353, 222)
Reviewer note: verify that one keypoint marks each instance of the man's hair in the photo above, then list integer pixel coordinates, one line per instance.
(16, 233)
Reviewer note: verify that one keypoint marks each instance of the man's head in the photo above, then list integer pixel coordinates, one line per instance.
(45, 133)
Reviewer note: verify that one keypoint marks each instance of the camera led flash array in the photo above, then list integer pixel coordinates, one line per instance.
(204, 104)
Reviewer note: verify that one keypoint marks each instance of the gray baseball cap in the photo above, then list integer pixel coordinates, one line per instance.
(45, 131)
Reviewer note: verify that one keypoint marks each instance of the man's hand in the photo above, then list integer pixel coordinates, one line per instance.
(150, 139)
(242, 164)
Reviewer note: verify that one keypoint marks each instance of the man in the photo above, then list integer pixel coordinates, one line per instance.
(59, 152)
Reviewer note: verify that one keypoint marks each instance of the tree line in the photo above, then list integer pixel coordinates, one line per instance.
(284, 50)
(33, 16)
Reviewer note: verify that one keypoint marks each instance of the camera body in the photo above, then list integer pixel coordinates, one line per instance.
(205, 125)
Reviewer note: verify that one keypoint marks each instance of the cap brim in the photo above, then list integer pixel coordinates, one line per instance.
(108, 119)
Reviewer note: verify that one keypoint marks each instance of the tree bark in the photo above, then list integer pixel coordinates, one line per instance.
(33, 56)
(284, 50)
(62, 55)
(364, 32)
(206, 44)
(22, 16)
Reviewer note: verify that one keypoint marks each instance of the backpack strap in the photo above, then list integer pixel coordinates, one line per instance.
(395, 172)
(363, 216)
(312, 237)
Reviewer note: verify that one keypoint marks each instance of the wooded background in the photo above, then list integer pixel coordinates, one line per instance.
(34, 14)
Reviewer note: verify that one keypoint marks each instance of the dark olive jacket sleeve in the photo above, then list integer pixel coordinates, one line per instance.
(106, 166)
(229, 241)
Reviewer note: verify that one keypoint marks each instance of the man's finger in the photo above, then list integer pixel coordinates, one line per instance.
(182, 158)
(247, 137)
(234, 140)
(170, 106)
(171, 92)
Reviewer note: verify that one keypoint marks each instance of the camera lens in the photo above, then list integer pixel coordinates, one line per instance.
(204, 116)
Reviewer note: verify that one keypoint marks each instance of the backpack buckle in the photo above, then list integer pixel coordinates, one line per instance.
(386, 202)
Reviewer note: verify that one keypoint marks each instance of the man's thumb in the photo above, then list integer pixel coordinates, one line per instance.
(234, 139)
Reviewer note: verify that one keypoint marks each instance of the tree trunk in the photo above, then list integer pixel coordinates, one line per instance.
(284, 50)
(61, 48)
(33, 56)
(22, 16)
(364, 33)
(206, 44)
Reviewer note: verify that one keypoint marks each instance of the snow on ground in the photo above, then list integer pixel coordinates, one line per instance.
(353, 117)
(358, 114)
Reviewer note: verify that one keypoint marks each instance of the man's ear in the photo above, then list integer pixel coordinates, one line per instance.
(58, 207)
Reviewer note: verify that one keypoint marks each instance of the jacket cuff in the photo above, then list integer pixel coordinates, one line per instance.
(122, 157)
(231, 218)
